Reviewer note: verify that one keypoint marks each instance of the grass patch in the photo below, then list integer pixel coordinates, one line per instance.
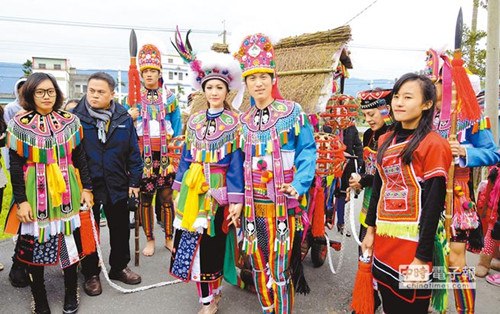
(7, 197)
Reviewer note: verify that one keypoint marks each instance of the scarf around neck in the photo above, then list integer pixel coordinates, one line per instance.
(102, 116)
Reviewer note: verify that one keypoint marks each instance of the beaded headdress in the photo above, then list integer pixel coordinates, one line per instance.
(256, 54)
(149, 58)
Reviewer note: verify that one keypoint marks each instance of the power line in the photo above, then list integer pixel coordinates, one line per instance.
(361, 12)
(99, 25)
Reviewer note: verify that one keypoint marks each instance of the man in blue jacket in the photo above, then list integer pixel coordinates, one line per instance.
(115, 164)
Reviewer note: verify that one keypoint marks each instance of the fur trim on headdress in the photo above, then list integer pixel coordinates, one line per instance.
(214, 65)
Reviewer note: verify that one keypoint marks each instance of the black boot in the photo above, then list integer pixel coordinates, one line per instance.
(71, 301)
(70, 290)
(40, 304)
(18, 275)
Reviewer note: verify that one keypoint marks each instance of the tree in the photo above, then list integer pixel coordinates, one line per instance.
(473, 55)
(27, 67)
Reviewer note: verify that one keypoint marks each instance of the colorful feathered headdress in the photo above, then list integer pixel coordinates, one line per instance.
(208, 65)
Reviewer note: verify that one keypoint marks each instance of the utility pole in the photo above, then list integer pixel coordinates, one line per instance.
(473, 31)
(492, 66)
(224, 32)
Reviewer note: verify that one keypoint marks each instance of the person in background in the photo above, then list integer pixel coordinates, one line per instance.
(474, 146)
(70, 104)
(3, 178)
(375, 106)
(354, 148)
(408, 197)
(18, 274)
(115, 165)
(47, 211)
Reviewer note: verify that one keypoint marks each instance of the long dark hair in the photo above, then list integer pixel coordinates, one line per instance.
(3, 124)
(27, 94)
(425, 124)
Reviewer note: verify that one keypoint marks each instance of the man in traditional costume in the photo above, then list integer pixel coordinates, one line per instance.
(474, 147)
(280, 162)
(158, 121)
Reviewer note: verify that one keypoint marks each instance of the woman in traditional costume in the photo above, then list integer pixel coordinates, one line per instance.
(408, 197)
(375, 106)
(44, 144)
(209, 180)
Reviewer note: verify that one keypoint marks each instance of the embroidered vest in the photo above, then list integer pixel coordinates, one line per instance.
(264, 132)
(47, 142)
(154, 107)
(210, 140)
(399, 207)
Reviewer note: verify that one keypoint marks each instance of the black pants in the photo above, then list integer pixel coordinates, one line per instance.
(393, 304)
(117, 216)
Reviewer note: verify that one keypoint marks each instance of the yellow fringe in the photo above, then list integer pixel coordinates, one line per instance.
(56, 184)
(397, 229)
(195, 180)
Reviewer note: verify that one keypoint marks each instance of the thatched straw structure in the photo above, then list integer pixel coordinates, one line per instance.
(305, 65)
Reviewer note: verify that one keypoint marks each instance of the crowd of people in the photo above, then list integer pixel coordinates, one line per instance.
(248, 171)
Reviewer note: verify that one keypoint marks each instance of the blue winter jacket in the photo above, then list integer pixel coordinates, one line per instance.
(116, 165)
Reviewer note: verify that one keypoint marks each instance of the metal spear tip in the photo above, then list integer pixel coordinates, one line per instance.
(459, 28)
(133, 44)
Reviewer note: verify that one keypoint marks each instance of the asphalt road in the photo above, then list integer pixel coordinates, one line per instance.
(330, 293)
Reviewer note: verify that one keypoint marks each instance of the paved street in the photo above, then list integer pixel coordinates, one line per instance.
(329, 293)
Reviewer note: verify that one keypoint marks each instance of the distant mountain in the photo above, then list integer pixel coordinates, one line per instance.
(354, 85)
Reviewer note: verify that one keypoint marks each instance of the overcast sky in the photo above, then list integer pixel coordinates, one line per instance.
(389, 38)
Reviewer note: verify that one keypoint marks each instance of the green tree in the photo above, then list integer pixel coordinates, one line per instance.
(473, 50)
(27, 67)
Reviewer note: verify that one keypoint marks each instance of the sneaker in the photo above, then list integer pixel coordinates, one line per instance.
(1, 267)
(494, 279)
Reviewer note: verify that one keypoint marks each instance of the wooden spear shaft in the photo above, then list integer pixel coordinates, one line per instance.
(136, 216)
(451, 171)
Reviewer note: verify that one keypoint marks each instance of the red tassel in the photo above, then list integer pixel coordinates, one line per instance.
(134, 87)
(318, 221)
(362, 294)
(469, 107)
(86, 233)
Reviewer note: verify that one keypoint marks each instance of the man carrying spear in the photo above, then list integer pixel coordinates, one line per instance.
(472, 145)
(158, 120)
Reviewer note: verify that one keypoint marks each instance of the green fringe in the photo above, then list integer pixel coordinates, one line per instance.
(439, 298)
